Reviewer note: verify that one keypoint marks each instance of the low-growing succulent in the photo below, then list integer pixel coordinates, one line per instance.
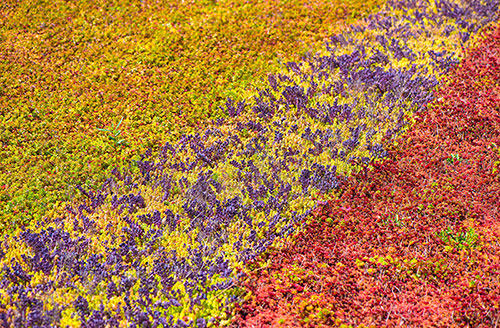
(168, 240)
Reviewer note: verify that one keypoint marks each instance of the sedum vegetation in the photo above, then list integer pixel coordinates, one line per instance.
(412, 240)
(165, 232)
(71, 68)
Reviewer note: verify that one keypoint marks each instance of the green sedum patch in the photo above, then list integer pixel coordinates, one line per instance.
(70, 68)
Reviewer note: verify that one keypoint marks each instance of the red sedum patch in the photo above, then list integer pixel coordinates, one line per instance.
(414, 239)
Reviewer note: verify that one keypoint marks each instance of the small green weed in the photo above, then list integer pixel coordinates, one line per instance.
(454, 158)
(459, 240)
(114, 134)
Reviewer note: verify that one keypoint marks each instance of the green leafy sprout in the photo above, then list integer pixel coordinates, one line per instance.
(459, 240)
(454, 158)
(115, 133)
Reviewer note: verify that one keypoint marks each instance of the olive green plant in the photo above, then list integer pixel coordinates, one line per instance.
(114, 134)
(454, 158)
(459, 240)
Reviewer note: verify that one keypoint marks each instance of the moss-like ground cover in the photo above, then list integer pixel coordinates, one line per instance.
(161, 242)
(70, 68)
(413, 240)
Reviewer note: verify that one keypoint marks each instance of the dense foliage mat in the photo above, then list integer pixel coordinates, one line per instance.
(162, 69)
(159, 243)
(412, 241)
